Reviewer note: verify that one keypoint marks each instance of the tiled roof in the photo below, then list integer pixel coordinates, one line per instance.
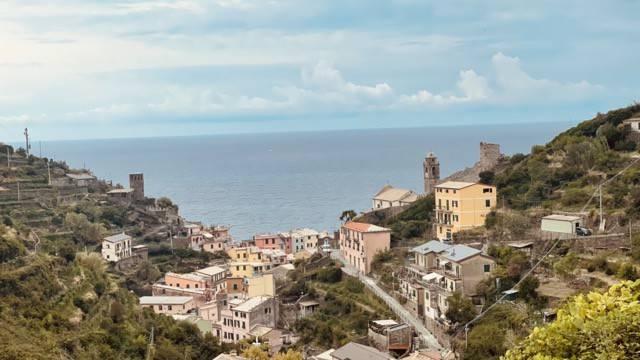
(364, 227)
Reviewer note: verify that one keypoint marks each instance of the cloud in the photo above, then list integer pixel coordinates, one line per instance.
(515, 84)
(511, 84)
(322, 88)
(327, 78)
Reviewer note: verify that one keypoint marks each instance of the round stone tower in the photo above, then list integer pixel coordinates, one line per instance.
(431, 172)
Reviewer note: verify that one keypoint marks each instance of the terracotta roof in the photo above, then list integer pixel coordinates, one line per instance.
(364, 227)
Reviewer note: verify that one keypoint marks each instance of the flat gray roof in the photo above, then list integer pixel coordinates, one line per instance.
(117, 238)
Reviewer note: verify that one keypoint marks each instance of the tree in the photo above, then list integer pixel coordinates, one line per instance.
(255, 353)
(67, 252)
(527, 289)
(83, 230)
(487, 177)
(461, 310)
(348, 215)
(289, 355)
(591, 326)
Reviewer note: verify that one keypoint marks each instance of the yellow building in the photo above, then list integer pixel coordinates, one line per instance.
(461, 206)
(248, 268)
(244, 254)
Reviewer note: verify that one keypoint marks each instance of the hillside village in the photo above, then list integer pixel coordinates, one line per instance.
(465, 268)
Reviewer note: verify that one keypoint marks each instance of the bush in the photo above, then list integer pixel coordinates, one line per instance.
(460, 310)
(487, 177)
(329, 275)
(627, 272)
(67, 252)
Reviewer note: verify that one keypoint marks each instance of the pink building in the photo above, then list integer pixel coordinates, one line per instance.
(187, 281)
(269, 241)
(360, 242)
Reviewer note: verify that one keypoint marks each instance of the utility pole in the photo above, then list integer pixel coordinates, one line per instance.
(49, 172)
(27, 144)
(600, 193)
(150, 347)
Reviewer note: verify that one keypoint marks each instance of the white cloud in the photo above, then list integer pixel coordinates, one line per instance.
(327, 78)
(515, 84)
(323, 89)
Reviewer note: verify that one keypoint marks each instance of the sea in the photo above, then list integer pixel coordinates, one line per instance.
(271, 182)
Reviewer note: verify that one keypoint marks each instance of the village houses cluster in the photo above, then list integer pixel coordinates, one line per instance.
(236, 299)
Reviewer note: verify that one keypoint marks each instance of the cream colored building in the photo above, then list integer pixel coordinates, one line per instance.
(168, 305)
(461, 206)
(389, 196)
(449, 269)
(116, 247)
(360, 242)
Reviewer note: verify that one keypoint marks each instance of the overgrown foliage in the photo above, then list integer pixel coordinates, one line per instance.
(591, 326)
(571, 165)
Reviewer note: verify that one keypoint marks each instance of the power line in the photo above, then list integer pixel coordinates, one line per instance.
(483, 313)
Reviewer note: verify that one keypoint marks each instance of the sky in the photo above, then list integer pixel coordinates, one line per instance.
(73, 69)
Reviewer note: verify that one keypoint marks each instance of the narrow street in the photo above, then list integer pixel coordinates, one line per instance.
(427, 339)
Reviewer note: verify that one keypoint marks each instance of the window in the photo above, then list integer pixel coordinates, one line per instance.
(487, 268)
(487, 203)
(196, 286)
(487, 190)
(169, 307)
(159, 307)
(235, 286)
(188, 286)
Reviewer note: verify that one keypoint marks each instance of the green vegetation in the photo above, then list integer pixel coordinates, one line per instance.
(412, 222)
(70, 307)
(592, 326)
(460, 309)
(572, 165)
(345, 311)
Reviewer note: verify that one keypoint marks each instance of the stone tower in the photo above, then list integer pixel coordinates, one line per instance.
(136, 182)
(489, 155)
(431, 172)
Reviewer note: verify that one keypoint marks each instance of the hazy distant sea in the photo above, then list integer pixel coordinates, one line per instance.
(274, 182)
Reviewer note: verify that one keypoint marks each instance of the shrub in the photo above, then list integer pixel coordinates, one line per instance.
(329, 275)
(627, 272)
(460, 309)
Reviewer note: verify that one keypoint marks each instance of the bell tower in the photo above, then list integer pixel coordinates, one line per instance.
(431, 172)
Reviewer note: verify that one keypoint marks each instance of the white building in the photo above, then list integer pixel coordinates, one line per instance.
(389, 196)
(116, 247)
(169, 305)
(304, 239)
(560, 226)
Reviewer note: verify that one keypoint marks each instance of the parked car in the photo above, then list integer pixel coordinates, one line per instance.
(583, 231)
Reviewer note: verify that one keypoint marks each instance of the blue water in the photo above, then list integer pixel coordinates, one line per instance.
(275, 182)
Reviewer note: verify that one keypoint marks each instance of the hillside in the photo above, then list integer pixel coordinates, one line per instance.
(62, 301)
(564, 173)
